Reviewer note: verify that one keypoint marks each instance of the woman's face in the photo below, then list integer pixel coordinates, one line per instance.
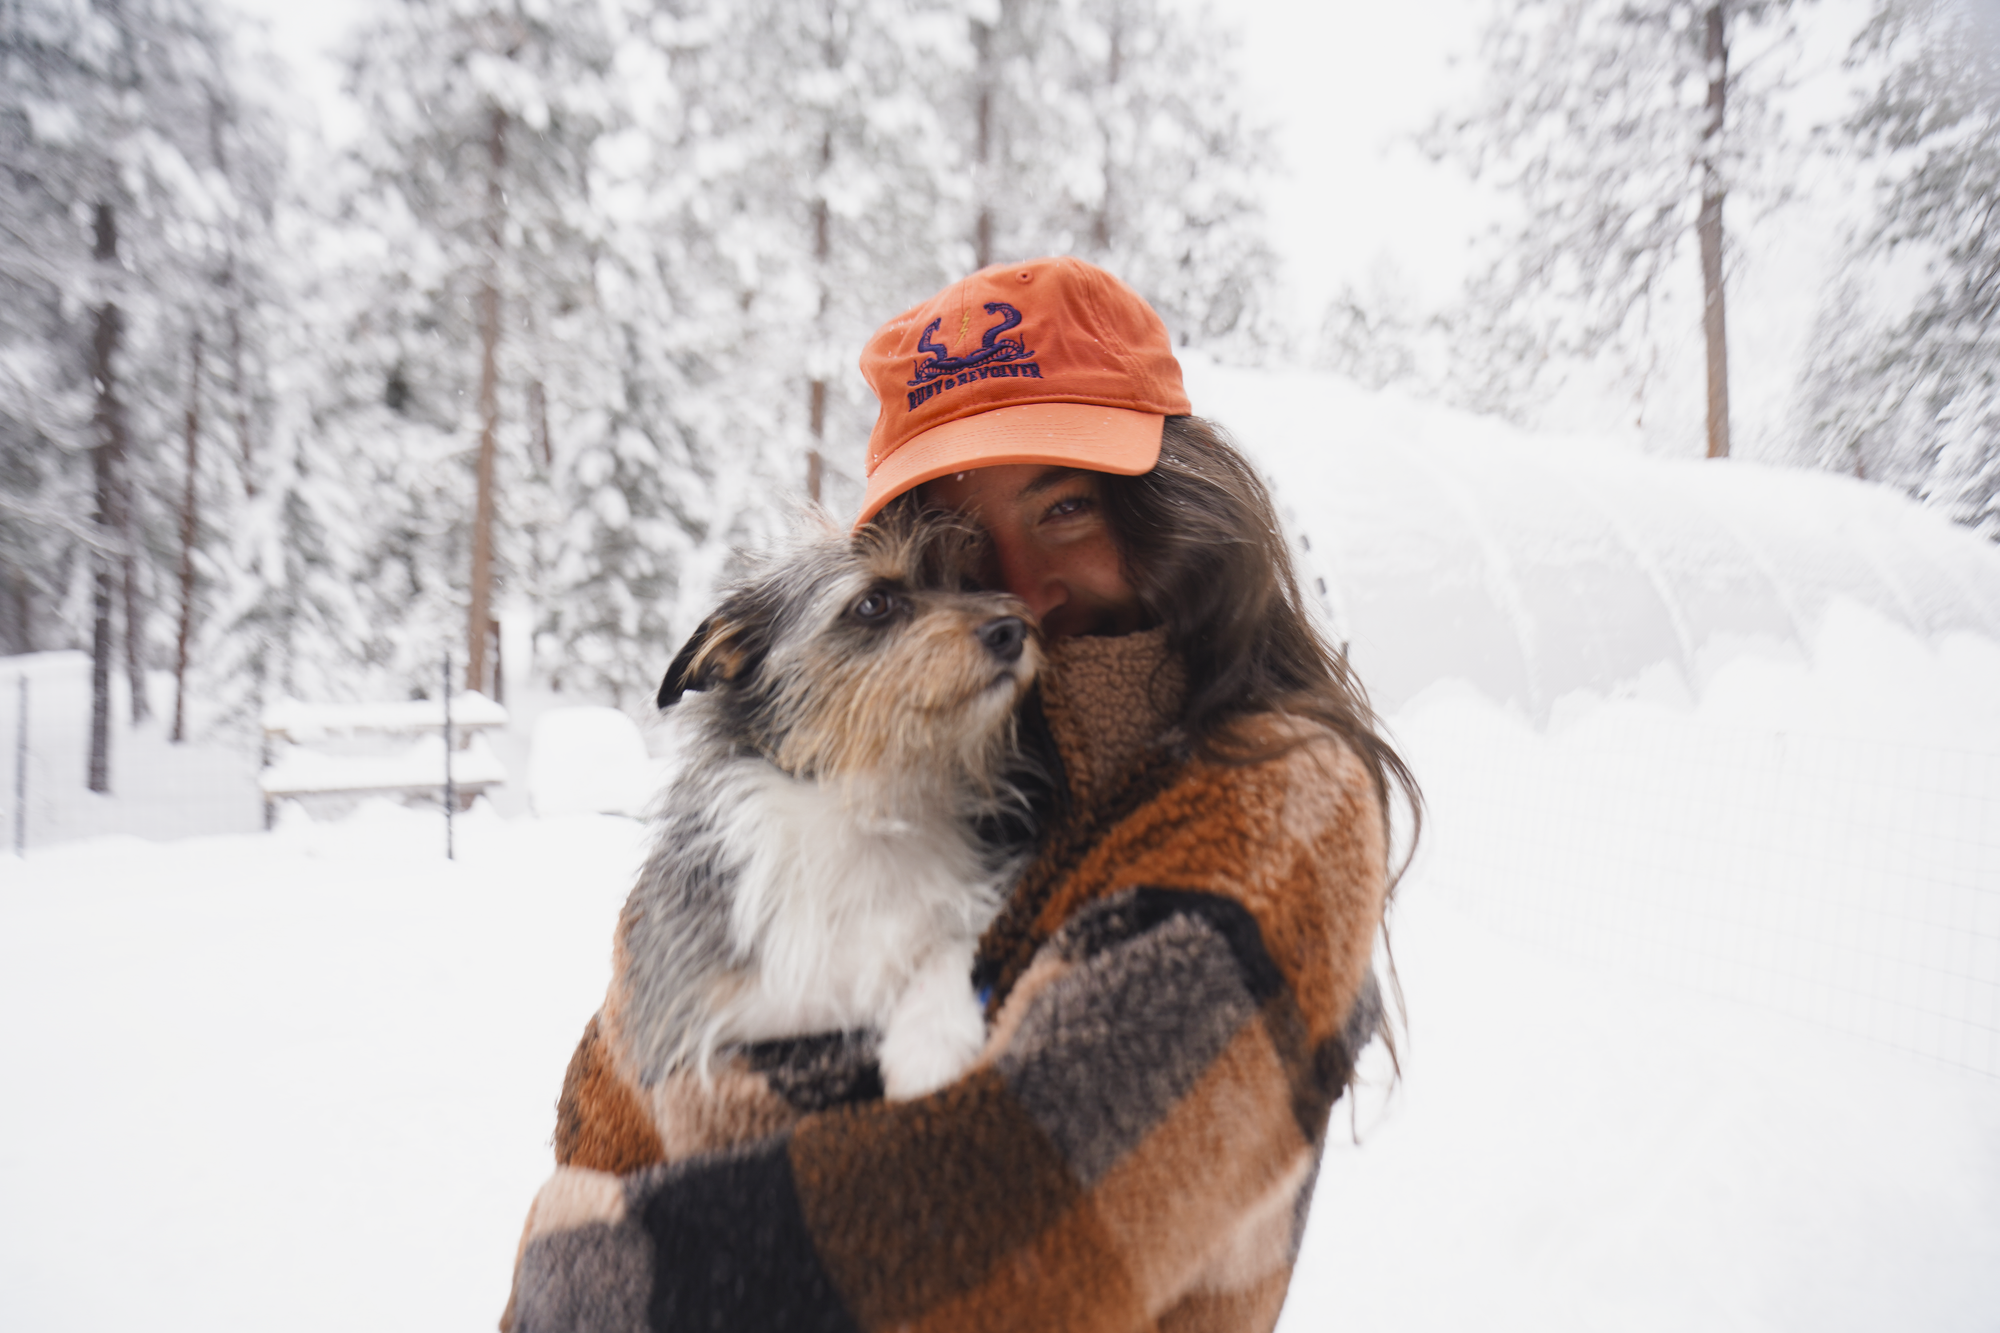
(1051, 544)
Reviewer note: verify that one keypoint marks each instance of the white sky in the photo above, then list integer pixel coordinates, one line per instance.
(1346, 86)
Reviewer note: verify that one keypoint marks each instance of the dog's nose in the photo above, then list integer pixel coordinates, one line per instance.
(1004, 636)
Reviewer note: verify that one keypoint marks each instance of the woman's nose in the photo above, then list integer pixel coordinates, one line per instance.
(1031, 577)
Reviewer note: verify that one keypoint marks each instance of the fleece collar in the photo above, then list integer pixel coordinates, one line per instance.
(1108, 700)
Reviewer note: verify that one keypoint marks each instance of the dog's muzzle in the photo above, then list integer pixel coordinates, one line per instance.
(1003, 637)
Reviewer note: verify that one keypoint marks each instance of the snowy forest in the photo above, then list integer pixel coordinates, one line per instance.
(573, 316)
(1626, 374)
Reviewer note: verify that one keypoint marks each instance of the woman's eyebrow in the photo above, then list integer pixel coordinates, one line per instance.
(1048, 480)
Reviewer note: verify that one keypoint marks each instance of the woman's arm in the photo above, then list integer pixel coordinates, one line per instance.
(1140, 1138)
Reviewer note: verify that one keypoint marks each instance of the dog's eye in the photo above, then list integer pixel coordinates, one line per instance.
(875, 606)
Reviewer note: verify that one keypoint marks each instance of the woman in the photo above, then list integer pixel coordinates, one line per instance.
(1181, 981)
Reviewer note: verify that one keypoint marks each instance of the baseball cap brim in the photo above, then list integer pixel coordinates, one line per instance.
(1079, 435)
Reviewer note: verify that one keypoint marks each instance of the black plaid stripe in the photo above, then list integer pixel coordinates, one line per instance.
(731, 1251)
(1318, 1073)
(1109, 1049)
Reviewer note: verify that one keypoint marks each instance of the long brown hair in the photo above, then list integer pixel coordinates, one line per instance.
(1203, 548)
(1200, 543)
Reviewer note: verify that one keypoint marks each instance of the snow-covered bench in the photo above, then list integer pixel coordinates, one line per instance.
(307, 724)
(294, 728)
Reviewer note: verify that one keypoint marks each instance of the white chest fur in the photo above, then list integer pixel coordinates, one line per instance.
(854, 907)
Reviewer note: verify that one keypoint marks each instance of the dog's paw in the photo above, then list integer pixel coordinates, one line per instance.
(934, 1033)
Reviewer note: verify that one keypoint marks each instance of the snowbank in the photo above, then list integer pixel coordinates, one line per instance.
(1821, 842)
(305, 723)
(590, 761)
(417, 767)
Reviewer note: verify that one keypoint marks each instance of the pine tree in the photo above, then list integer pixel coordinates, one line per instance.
(842, 198)
(1620, 127)
(1115, 130)
(118, 212)
(483, 120)
(232, 335)
(1168, 191)
(703, 209)
(1910, 395)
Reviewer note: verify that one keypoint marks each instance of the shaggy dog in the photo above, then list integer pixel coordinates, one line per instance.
(847, 725)
(821, 870)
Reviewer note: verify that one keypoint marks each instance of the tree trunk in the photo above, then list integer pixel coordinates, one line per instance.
(105, 456)
(1100, 226)
(99, 779)
(822, 253)
(480, 615)
(188, 533)
(982, 231)
(16, 635)
(815, 457)
(538, 423)
(240, 395)
(1710, 228)
(135, 625)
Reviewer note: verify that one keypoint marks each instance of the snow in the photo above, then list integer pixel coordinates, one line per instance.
(1570, 1149)
(158, 790)
(308, 722)
(419, 766)
(1535, 567)
(1701, 951)
(250, 1068)
(590, 761)
(1822, 843)
(302, 1080)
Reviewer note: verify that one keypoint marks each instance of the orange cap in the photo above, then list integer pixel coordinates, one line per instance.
(1050, 361)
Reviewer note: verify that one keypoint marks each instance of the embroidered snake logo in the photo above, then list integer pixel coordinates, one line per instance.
(992, 347)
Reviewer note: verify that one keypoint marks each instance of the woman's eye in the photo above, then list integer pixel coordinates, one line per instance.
(1069, 504)
(874, 606)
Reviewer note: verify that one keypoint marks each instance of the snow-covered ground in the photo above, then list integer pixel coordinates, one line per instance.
(1701, 954)
(305, 1080)
(298, 1080)
(1572, 1148)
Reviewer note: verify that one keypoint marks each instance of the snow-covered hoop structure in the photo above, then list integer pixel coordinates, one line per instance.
(1587, 655)
(1453, 547)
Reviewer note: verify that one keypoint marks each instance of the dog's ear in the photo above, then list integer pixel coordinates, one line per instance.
(722, 648)
(680, 678)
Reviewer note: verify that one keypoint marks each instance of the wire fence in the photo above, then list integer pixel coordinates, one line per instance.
(159, 789)
(335, 758)
(1850, 882)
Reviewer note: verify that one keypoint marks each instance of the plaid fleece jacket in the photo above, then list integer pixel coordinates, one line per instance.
(1181, 985)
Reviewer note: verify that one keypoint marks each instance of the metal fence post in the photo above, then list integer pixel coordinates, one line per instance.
(21, 772)
(450, 796)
